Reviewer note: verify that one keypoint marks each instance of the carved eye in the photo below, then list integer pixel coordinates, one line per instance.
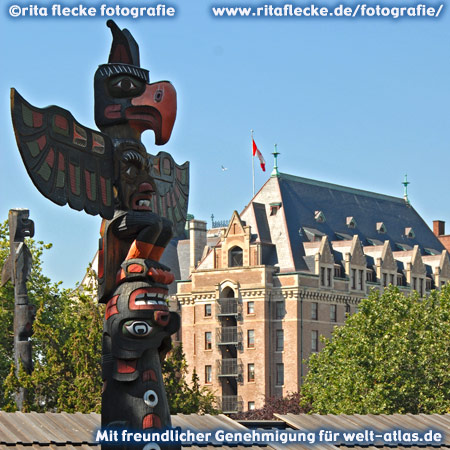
(125, 86)
(158, 95)
(137, 328)
(132, 171)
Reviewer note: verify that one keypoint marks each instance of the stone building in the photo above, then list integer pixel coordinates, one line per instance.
(259, 293)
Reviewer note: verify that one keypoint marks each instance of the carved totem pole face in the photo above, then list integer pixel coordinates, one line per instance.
(123, 94)
(135, 185)
(139, 196)
(20, 225)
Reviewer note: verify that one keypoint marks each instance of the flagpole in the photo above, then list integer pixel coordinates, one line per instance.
(253, 167)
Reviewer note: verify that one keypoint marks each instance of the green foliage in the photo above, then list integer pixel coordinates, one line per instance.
(393, 356)
(67, 348)
(184, 398)
(66, 342)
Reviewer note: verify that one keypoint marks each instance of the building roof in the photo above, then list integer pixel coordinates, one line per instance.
(302, 197)
(76, 431)
(311, 209)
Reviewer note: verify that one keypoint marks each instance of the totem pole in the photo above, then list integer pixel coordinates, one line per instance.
(17, 268)
(143, 202)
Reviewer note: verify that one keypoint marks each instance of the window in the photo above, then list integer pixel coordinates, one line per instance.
(235, 257)
(421, 286)
(333, 313)
(381, 227)
(353, 278)
(322, 276)
(414, 283)
(279, 342)
(314, 341)
(251, 338)
(208, 340)
(208, 374)
(369, 275)
(351, 222)
(337, 272)
(251, 406)
(250, 307)
(429, 284)
(391, 279)
(208, 310)
(314, 311)
(279, 310)
(280, 374)
(347, 308)
(329, 277)
(251, 372)
(385, 279)
(361, 280)
(399, 280)
(319, 216)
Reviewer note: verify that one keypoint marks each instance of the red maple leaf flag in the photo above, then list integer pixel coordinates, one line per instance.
(260, 156)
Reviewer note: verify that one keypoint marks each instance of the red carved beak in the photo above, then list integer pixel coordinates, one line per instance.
(155, 109)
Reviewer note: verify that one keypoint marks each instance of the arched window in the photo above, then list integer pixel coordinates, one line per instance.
(227, 293)
(235, 257)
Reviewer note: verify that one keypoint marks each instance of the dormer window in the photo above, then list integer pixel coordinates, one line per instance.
(274, 208)
(312, 234)
(319, 216)
(381, 228)
(351, 222)
(343, 236)
(409, 233)
(235, 257)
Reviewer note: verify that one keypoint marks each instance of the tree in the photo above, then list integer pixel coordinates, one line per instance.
(183, 398)
(67, 348)
(66, 342)
(275, 405)
(393, 356)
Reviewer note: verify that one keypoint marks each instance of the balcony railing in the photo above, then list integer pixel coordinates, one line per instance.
(229, 367)
(228, 336)
(228, 307)
(229, 404)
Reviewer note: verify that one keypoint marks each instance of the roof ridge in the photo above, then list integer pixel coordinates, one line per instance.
(339, 187)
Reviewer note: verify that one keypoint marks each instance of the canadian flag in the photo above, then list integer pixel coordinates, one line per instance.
(260, 156)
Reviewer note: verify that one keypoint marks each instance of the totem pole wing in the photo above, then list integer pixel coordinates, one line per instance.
(67, 162)
(172, 183)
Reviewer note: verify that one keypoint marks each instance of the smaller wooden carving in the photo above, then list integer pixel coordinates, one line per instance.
(17, 268)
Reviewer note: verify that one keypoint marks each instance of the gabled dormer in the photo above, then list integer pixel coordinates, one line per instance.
(324, 263)
(350, 221)
(417, 265)
(416, 272)
(381, 228)
(443, 275)
(386, 267)
(319, 216)
(356, 265)
(234, 248)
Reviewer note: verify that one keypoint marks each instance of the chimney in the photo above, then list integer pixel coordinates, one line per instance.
(197, 241)
(438, 227)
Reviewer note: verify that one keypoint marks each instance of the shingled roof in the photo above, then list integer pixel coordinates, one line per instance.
(338, 212)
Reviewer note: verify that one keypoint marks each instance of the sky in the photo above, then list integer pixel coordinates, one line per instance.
(353, 101)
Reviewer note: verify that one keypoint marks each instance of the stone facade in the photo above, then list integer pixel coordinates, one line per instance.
(271, 283)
